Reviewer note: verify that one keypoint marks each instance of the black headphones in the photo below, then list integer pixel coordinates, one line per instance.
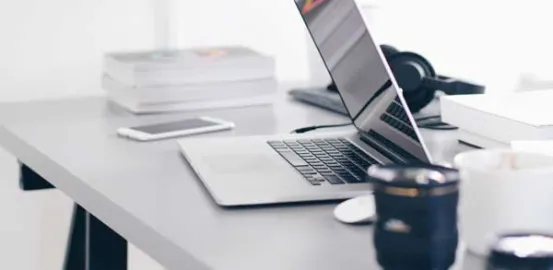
(419, 81)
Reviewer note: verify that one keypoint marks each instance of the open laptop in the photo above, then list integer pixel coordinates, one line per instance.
(324, 165)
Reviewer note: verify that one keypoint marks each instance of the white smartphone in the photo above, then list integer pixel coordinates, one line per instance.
(175, 129)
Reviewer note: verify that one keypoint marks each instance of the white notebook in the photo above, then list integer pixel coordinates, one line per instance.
(501, 118)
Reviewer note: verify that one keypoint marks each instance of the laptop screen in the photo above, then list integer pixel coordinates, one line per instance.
(363, 78)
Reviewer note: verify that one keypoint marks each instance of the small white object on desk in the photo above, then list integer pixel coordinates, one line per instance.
(357, 210)
(174, 129)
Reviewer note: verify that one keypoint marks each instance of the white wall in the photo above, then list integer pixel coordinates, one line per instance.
(54, 48)
(492, 42)
(504, 45)
(272, 27)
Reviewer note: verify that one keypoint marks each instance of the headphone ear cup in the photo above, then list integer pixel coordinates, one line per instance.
(420, 101)
(409, 70)
(388, 51)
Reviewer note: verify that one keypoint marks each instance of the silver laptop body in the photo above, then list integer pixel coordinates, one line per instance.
(278, 169)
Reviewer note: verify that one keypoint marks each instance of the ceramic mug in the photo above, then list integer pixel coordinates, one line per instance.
(502, 192)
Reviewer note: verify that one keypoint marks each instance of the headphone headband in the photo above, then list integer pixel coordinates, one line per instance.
(453, 86)
(419, 81)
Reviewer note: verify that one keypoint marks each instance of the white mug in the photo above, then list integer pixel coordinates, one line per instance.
(503, 191)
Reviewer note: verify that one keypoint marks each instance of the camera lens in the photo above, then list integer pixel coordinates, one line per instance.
(522, 252)
(416, 225)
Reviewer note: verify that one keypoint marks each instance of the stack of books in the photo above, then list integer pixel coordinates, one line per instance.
(163, 81)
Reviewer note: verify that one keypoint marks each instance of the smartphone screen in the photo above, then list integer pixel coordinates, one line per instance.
(175, 126)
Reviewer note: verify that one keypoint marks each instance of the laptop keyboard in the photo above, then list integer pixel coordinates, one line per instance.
(396, 117)
(332, 161)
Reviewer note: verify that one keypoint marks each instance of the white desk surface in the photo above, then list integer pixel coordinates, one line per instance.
(147, 193)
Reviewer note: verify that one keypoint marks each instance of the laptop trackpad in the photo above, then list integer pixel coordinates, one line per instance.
(241, 163)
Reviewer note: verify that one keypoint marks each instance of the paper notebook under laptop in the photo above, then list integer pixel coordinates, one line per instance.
(326, 166)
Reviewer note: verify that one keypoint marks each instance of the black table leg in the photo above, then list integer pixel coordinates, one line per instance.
(30, 180)
(105, 249)
(75, 249)
(94, 246)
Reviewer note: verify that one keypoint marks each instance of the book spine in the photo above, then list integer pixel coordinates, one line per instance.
(246, 62)
(196, 76)
(211, 91)
(119, 70)
(188, 106)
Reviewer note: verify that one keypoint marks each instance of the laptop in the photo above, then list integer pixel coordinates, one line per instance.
(328, 165)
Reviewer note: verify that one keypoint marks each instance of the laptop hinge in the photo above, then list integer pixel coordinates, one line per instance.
(387, 148)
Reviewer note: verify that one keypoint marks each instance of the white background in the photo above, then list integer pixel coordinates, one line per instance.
(54, 48)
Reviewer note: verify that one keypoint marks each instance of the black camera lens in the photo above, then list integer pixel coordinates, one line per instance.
(522, 252)
(416, 208)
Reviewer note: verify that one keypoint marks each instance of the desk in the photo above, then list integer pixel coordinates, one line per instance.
(147, 193)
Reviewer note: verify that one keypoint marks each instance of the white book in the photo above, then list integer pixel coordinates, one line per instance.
(163, 107)
(191, 92)
(501, 118)
(197, 65)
